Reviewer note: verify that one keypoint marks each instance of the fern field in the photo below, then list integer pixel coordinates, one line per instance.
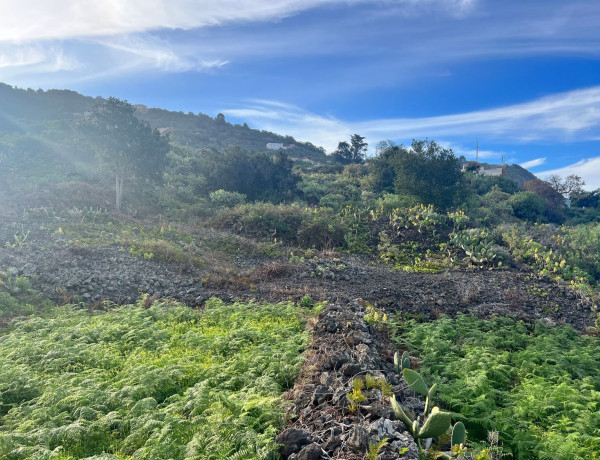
(164, 382)
(539, 387)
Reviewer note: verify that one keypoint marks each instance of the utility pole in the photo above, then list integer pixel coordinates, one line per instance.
(477, 152)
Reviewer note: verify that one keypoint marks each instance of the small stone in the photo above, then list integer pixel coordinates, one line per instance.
(358, 439)
(292, 440)
(337, 361)
(321, 395)
(350, 369)
(311, 452)
(548, 322)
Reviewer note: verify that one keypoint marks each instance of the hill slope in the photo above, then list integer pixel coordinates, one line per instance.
(30, 111)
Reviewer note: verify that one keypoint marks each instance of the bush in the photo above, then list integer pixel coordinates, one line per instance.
(311, 228)
(527, 206)
(224, 199)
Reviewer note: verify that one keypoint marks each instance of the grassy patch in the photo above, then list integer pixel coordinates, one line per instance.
(540, 387)
(158, 382)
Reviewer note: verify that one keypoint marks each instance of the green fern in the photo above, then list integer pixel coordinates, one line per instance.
(373, 452)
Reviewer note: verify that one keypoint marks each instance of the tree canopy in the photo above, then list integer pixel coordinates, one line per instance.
(125, 145)
(425, 170)
(259, 176)
(353, 152)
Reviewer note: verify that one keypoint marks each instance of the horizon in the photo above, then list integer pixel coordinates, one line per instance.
(522, 80)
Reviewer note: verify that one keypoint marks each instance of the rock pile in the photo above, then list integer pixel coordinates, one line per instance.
(322, 424)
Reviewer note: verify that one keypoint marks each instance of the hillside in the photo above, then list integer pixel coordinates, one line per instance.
(239, 306)
(514, 172)
(202, 131)
(32, 111)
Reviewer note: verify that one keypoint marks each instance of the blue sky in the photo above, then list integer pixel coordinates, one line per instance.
(521, 77)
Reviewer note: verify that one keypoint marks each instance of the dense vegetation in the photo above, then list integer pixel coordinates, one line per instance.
(148, 381)
(165, 381)
(538, 387)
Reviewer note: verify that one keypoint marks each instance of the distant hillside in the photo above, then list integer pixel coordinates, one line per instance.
(33, 111)
(514, 172)
(202, 131)
(22, 110)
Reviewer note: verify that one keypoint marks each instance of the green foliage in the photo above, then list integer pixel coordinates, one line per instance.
(527, 206)
(330, 190)
(425, 170)
(20, 240)
(124, 144)
(306, 227)
(356, 396)
(459, 434)
(437, 423)
(568, 252)
(224, 199)
(258, 176)
(306, 301)
(415, 381)
(374, 448)
(353, 152)
(539, 388)
(401, 362)
(479, 247)
(158, 382)
(482, 184)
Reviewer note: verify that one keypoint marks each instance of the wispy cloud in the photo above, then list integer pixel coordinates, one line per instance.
(533, 163)
(35, 58)
(60, 19)
(558, 118)
(151, 52)
(588, 169)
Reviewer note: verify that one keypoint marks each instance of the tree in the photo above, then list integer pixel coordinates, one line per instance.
(353, 152)
(259, 176)
(554, 201)
(570, 184)
(125, 146)
(426, 171)
(586, 199)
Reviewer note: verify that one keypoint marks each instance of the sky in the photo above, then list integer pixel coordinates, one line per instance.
(520, 78)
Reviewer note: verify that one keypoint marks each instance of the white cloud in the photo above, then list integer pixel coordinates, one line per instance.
(59, 19)
(151, 52)
(563, 117)
(34, 58)
(588, 169)
(533, 163)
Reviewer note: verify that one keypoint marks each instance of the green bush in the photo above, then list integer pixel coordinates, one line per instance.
(527, 206)
(8, 304)
(225, 199)
(318, 228)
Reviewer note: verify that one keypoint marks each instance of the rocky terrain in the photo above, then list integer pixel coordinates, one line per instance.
(322, 425)
(65, 272)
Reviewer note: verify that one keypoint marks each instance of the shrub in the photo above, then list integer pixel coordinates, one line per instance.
(307, 227)
(224, 199)
(527, 206)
